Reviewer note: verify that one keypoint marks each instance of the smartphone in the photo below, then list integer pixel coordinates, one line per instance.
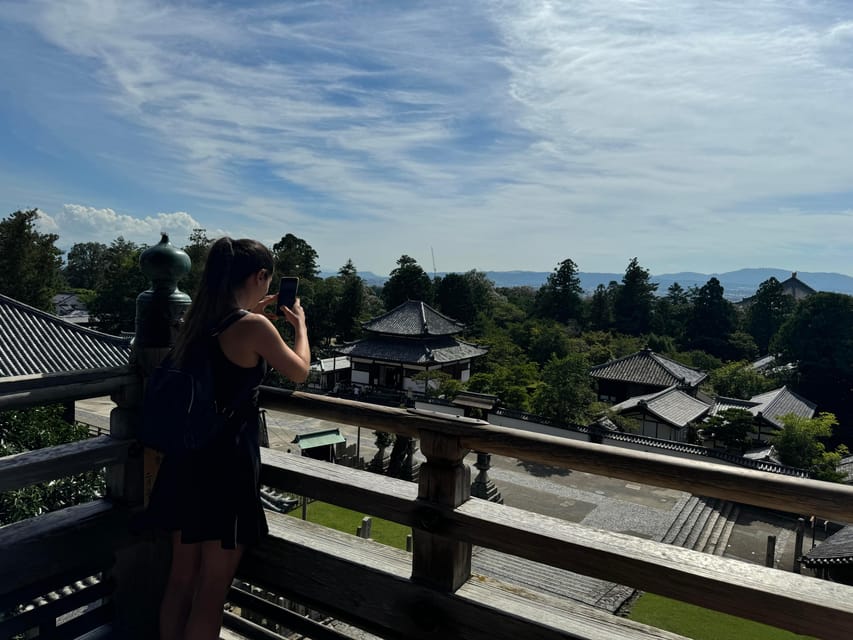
(286, 293)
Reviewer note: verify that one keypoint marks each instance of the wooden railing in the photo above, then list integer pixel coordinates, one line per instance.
(446, 523)
(431, 592)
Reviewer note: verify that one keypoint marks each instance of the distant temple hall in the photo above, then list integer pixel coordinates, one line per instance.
(406, 341)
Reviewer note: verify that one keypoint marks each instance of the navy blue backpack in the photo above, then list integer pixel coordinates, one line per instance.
(180, 413)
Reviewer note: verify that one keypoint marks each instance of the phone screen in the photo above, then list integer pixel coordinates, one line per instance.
(286, 293)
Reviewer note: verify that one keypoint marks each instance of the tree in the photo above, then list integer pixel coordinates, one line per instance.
(739, 380)
(560, 297)
(36, 428)
(566, 391)
(798, 445)
(84, 265)
(407, 282)
(769, 309)
(295, 257)
(321, 299)
(197, 249)
(455, 298)
(732, 427)
(30, 262)
(601, 307)
(634, 301)
(670, 314)
(351, 303)
(712, 320)
(819, 338)
(114, 301)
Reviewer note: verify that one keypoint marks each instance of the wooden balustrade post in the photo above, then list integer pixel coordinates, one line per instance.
(444, 483)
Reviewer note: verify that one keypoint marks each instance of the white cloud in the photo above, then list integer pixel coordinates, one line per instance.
(79, 223)
(505, 134)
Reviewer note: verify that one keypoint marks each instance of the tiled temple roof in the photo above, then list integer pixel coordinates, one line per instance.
(836, 549)
(414, 318)
(34, 342)
(648, 367)
(670, 405)
(441, 349)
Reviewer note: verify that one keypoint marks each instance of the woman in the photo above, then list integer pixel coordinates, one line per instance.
(209, 499)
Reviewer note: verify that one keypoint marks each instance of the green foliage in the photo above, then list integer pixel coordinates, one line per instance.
(798, 445)
(407, 282)
(819, 338)
(742, 346)
(769, 309)
(351, 303)
(560, 297)
(197, 249)
(634, 301)
(116, 289)
(697, 359)
(36, 428)
(670, 315)
(521, 299)
(600, 307)
(295, 257)
(733, 427)
(85, 263)
(739, 380)
(566, 392)
(712, 320)
(455, 298)
(440, 384)
(30, 263)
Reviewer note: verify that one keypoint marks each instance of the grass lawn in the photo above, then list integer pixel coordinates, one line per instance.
(334, 517)
(701, 624)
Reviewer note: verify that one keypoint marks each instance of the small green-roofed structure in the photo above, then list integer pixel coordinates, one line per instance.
(320, 445)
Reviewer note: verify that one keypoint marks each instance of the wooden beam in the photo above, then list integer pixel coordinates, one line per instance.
(772, 491)
(804, 605)
(82, 537)
(24, 469)
(801, 604)
(36, 390)
(366, 584)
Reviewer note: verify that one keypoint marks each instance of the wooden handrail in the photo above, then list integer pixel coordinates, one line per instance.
(768, 595)
(25, 469)
(34, 390)
(798, 495)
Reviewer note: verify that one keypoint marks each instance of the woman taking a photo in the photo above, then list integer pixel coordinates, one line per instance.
(209, 499)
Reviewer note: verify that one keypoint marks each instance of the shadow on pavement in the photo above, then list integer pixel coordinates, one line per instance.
(543, 470)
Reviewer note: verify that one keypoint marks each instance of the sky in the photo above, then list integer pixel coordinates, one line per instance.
(496, 135)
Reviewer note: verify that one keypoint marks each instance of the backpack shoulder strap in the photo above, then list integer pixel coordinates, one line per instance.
(230, 319)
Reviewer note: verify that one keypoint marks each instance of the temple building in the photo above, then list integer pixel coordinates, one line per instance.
(410, 339)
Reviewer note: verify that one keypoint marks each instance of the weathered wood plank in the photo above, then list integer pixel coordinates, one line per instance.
(24, 469)
(780, 598)
(28, 391)
(366, 584)
(792, 601)
(81, 537)
(810, 497)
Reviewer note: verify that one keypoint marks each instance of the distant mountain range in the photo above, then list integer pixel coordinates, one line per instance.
(737, 284)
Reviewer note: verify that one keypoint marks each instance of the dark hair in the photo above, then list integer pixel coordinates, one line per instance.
(229, 262)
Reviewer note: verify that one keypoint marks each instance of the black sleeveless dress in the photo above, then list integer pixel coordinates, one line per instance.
(213, 493)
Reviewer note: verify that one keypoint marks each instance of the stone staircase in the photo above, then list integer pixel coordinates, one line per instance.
(704, 524)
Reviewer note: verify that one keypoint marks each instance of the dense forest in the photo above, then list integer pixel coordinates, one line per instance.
(541, 342)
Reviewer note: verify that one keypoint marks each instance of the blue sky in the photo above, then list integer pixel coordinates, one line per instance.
(700, 136)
